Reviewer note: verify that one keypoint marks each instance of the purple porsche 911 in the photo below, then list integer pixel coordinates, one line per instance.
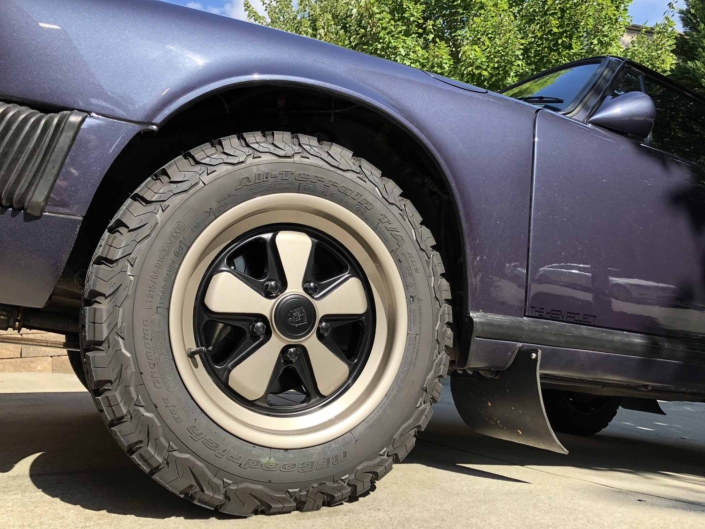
(266, 252)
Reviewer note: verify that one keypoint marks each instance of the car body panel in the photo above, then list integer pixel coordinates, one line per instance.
(32, 255)
(73, 54)
(513, 172)
(98, 143)
(611, 243)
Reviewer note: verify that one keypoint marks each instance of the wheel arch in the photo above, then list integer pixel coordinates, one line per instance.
(207, 113)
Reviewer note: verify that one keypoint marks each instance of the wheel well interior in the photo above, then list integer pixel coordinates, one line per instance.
(296, 109)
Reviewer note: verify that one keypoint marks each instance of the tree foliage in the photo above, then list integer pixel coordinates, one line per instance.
(655, 50)
(491, 43)
(690, 47)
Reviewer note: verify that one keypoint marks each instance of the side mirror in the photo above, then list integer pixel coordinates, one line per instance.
(632, 113)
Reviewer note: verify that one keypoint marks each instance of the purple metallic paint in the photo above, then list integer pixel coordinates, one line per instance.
(142, 61)
(171, 58)
(32, 255)
(633, 113)
(97, 145)
(610, 244)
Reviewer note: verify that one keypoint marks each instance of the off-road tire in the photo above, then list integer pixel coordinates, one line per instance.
(122, 379)
(565, 418)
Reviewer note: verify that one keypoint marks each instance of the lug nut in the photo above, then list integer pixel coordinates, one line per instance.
(292, 354)
(271, 288)
(324, 328)
(258, 328)
(311, 288)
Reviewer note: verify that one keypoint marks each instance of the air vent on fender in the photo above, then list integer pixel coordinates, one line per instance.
(33, 149)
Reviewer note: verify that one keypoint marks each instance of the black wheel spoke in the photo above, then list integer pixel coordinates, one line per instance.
(243, 351)
(273, 381)
(243, 321)
(329, 285)
(275, 269)
(287, 388)
(258, 267)
(335, 323)
(325, 283)
(227, 349)
(305, 371)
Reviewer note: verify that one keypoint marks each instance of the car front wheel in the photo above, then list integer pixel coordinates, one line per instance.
(265, 325)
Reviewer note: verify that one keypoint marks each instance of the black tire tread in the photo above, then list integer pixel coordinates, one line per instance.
(565, 420)
(110, 368)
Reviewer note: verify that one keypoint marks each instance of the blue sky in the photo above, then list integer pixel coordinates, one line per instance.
(642, 11)
(650, 11)
(228, 8)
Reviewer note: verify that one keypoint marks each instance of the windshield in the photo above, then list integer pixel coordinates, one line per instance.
(555, 90)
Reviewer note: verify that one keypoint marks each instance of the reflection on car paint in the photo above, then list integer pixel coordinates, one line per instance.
(571, 292)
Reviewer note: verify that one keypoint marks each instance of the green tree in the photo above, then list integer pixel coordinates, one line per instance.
(690, 47)
(492, 43)
(654, 46)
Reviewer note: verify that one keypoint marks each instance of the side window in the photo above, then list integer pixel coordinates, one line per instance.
(558, 90)
(680, 122)
(629, 81)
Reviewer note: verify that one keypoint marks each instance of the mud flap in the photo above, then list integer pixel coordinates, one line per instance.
(645, 405)
(508, 406)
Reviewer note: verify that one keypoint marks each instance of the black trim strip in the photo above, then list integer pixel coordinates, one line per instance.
(33, 149)
(592, 369)
(558, 334)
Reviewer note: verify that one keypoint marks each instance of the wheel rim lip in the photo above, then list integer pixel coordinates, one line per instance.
(376, 379)
(271, 316)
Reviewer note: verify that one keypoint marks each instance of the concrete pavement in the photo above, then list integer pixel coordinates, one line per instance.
(60, 468)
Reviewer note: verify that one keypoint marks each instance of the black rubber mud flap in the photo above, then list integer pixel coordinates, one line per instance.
(645, 405)
(508, 406)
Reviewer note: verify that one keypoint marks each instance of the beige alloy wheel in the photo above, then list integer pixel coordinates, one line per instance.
(289, 323)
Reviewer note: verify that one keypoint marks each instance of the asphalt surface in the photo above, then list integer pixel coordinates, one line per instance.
(59, 467)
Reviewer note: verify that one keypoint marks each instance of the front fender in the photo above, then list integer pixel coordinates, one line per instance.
(141, 62)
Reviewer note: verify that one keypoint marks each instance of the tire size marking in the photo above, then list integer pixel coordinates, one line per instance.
(385, 229)
(268, 463)
(164, 252)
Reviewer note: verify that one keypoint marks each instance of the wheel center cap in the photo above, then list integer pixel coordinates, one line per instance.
(295, 317)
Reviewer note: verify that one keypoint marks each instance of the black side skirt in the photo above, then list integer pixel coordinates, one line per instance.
(580, 355)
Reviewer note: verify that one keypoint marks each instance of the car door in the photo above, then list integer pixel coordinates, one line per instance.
(618, 224)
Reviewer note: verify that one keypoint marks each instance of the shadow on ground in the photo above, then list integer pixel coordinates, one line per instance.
(77, 461)
(71, 456)
(645, 446)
